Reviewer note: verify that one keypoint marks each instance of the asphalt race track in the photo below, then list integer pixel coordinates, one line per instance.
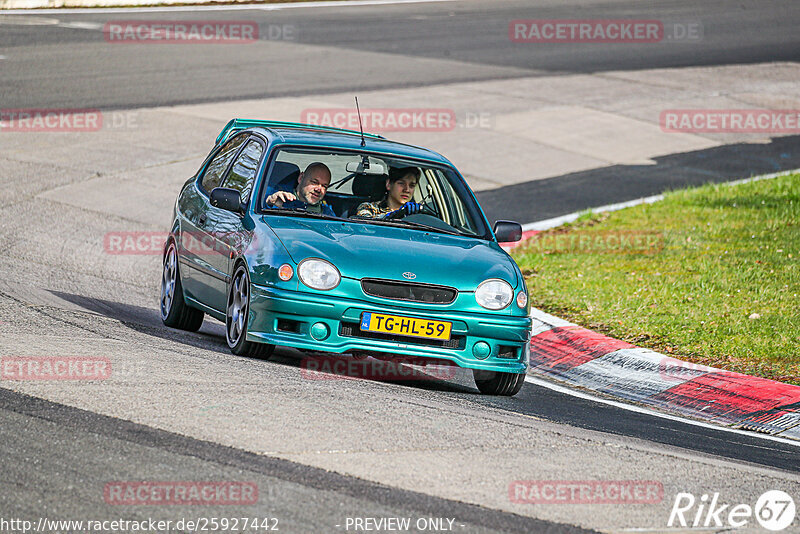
(475, 39)
(322, 453)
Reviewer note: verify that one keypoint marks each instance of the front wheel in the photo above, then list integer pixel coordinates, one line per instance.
(175, 312)
(236, 318)
(498, 382)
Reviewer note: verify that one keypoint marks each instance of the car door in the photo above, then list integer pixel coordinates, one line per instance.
(200, 280)
(232, 229)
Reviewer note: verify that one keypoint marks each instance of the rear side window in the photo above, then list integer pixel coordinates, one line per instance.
(217, 166)
(244, 169)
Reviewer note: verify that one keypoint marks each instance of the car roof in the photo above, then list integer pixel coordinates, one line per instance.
(312, 136)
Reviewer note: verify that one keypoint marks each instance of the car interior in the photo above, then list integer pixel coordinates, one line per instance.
(355, 181)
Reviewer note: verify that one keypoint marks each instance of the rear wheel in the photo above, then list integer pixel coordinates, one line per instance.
(236, 318)
(175, 313)
(498, 383)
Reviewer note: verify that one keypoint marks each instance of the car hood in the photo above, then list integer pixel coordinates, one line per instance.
(362, 250)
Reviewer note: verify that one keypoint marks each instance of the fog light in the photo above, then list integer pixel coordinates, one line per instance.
(319, 331)
(481, 350)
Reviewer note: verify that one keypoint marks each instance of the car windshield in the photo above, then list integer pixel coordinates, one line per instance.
(369, 189)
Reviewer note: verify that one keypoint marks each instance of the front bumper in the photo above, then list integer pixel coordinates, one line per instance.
(285, 317)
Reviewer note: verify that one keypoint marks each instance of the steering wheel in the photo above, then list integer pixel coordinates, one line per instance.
(427, 210)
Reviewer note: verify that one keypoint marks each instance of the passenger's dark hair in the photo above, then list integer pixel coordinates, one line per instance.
(395, 173)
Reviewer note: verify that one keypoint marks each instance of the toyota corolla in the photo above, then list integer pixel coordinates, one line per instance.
(332, 240)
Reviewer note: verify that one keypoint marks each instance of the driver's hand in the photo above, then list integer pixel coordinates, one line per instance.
(410, 208)
(278, 198)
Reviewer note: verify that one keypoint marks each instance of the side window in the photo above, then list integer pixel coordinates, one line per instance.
(217, 166)
(244, 170)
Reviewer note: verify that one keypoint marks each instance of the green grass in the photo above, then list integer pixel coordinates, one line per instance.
(723, 255)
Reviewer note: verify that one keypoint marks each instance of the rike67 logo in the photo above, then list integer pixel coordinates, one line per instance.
(774, 510)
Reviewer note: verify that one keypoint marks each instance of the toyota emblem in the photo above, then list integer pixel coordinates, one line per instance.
(409, 276)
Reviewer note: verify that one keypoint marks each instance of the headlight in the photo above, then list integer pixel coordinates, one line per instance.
(494, 294)
(318, 274)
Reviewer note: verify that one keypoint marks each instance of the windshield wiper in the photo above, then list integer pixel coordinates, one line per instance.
(434, 228)
(396, 222)
(301, 213)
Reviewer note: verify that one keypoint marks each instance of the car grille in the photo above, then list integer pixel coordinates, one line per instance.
(391, 289)
(352, 330)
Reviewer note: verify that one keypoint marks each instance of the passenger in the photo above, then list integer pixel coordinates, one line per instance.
(308, 193)
(400, 188)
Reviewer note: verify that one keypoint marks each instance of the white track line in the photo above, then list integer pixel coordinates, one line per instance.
(91, 26)
(638, 409)
(233, 7)
(558, 221)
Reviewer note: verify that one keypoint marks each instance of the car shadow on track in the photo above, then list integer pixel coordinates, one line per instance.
(211, 335)
(312, 365)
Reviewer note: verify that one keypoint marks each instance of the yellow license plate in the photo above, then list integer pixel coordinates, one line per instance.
(405, 326)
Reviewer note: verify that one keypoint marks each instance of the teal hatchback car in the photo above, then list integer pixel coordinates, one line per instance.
(428, 284)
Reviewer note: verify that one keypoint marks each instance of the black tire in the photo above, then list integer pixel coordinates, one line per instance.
(236, 316)
(174, 311)
(498, 383)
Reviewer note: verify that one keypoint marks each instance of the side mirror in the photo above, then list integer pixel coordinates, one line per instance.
(227, 199)
(507, 231)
